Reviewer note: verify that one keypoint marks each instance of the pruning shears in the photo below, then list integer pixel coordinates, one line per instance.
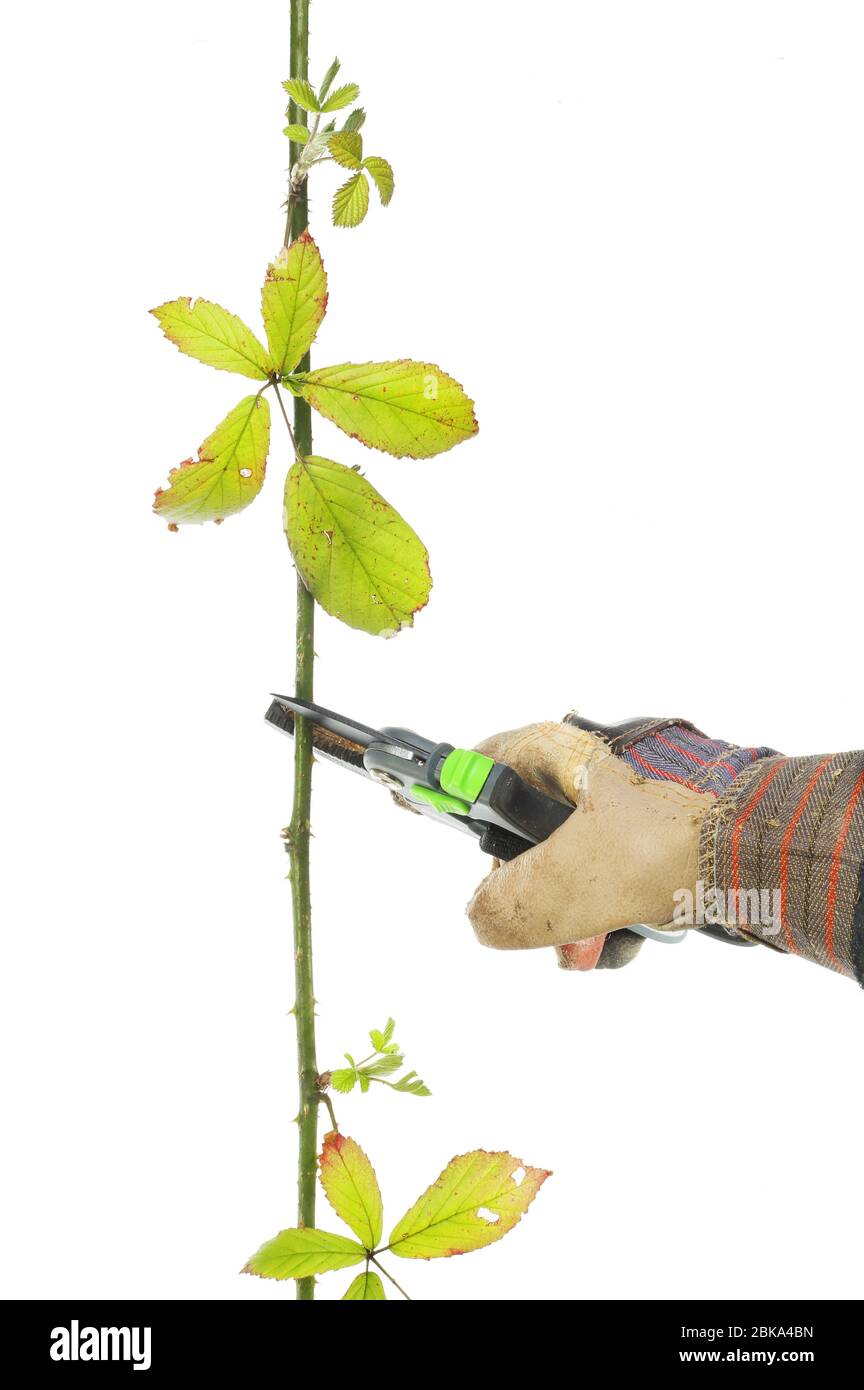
(455, 786)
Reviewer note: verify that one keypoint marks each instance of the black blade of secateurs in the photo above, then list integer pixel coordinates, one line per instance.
(328, 743)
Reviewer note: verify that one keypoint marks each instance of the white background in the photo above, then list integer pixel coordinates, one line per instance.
(634, 232)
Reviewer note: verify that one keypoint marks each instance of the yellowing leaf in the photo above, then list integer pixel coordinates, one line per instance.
(351, 202)
(349, 1181)
(294, 301)
(406, 408)
(228, 473)
(356, 555)
(209, 333)
(473, 1203)
(367, 1288)
(346, 147)
(382, 173)
(296, 1254)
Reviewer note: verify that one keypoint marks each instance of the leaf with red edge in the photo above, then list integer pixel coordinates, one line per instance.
(358, 557)
(349, 1181)
(294, 301)
(475, 1201)
(405, 408)
(228, 473)
(209, 333)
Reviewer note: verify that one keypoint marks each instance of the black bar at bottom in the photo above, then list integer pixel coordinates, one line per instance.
(86, 1338)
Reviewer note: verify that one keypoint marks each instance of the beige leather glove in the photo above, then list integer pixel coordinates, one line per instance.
(618, 860)
(753, 845)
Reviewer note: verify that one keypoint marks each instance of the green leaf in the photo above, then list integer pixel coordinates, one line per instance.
(344, 1079)
(294, 301)
(473, 1203)
(346, 147)
(343, 96)
(298, 133)
(408, 409)
(351, 201)
(380, 1040)
(382, 173)
(302, 93)
(411, 1084)
(389, 1062)
(329, 77)
(355, 120)
(209, 333)
(356, 555)
(367, 1288)
(351, 1186)
(296, 1254)
(229, 471)
(364, 1083)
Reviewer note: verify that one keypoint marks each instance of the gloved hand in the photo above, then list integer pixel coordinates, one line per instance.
(671, 827)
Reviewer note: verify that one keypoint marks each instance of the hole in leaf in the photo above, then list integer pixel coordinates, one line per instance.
(245, 472)
(518, 1176)
(491, 1216)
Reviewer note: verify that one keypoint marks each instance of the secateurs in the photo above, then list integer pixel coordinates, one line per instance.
(455, 786)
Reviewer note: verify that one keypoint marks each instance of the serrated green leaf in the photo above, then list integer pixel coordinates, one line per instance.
(346, 147)
(355, 120)
(356, 555)
(228, 473)
(351, 201)
(302, 93)
(343, 96)
(298, 133)
(364, 1083)
(351, 1186)
(389, 1062)
(408, 409)
(380, 1040)
(344, 1079)
(411, 1085)
(447, 1219)
(210, 334)
(294, 301)
(366, 1288)
(382, 174)
(296, 1254)
(329, 78)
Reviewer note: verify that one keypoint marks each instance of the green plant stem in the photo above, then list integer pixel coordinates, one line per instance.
(297, 219)
(298, 843)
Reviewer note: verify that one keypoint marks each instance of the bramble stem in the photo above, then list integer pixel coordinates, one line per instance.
(298, 843)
